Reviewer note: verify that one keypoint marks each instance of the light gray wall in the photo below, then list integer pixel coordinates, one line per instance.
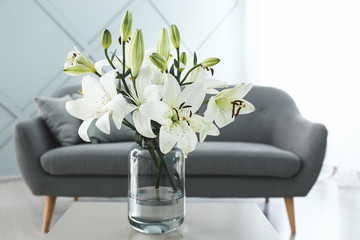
(36, 35)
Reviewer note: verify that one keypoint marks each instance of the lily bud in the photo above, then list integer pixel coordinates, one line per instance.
(183, 58)
(136, 52)
(126, 26)
(163, 44)
(209, 62)
(78, 64)
(175, 36)
(106, 39)
(158, 61)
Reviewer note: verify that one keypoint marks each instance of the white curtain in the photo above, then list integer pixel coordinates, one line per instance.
(311, 49)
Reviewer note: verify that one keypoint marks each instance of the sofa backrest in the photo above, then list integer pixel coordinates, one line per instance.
(270, 103)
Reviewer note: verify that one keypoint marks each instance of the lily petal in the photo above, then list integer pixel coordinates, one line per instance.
(224, 118)
(143, 124)
(171, 90)
(188, 140)
(212, 110)
(81, 108)
(76, 70)
(193, 95)
(195, 122)
(208, 129)
(118, 104)
(249, 107)
(215, 83)
(169, 135)
(103, 123)
(143, 79)
(237, 92)
(158, 111)
(92, 90)
(152, 93)
(83, 129)
(120, 108)
(108, 83)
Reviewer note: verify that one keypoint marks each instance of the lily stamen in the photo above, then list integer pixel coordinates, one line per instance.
(177, 114)
(181, 105)
(236, 103)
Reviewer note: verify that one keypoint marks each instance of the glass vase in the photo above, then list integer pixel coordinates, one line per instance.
(156, 189)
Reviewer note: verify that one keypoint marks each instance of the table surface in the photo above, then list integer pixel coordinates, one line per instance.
(108, 220)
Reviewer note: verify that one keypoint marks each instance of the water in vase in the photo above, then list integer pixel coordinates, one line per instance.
(156, 211)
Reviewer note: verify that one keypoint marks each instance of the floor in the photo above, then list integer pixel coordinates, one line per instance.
(326, 213)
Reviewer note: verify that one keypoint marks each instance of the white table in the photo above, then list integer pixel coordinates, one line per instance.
(208, 221)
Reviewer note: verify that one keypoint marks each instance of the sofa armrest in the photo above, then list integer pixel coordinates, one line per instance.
(305, 139)
(31, 139)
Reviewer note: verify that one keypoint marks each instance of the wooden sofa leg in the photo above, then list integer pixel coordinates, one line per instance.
(289, 202)
(75, 199)
(48, 211)
(267, 200)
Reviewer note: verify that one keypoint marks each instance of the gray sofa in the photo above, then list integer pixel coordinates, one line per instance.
(273, 152)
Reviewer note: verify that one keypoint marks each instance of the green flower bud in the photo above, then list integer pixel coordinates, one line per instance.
(126, 25)
(183, 58)
(175, 36)
(158, 61)
(78, 64)
(163, 44)
(209, 62)
(136, 52)
(106, 39)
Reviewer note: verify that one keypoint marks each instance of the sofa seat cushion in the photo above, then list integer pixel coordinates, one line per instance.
(242, 159)
(88, 159)
(209, 159)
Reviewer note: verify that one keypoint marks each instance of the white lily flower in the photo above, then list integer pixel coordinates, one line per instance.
(100, 102)
(225, 106)
(77, 64)
(174, 113)
(145, 92)
(201, 73)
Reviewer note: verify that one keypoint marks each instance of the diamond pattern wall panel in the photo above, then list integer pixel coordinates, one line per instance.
(36, 38)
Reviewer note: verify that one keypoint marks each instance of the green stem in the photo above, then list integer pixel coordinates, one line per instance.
(158, 174)
(123, 52)
(162, 160)
(128, 124)
(125, 85)
(152, 153)
(98, 74)
(110, 62)
(187, 74)
(124, 63)
(178, 67)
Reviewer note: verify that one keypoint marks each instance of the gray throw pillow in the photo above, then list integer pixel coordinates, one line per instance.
(65, 127)
(62, 125)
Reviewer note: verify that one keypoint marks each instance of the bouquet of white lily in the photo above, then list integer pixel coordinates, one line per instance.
(162, 92)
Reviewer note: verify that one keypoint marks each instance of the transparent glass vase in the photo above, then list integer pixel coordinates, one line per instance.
(156, 189)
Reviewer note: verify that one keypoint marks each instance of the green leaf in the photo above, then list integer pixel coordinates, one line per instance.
(127, 72)
(176, 63)
(172, 69)
(195, 59)
(113, 55)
